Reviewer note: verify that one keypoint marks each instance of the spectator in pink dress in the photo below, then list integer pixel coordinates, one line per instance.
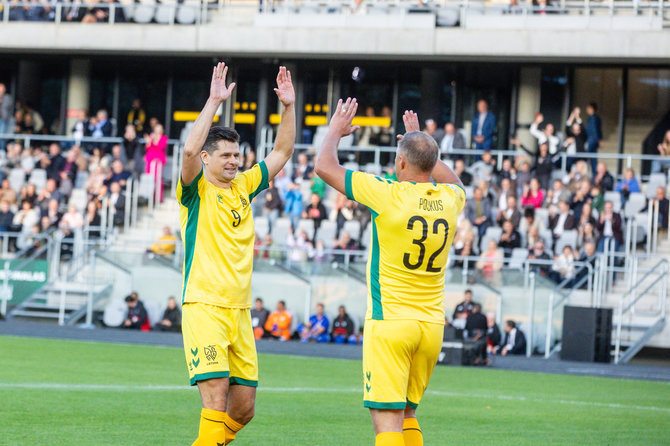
(156, 143)
(533, 195)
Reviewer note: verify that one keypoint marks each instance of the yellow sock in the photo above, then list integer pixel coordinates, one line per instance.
(389, 439)
(412, 432)
(232, 428)
(212, 430)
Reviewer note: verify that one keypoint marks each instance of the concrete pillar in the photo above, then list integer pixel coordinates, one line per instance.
(78, 92)
(29, 81)
(528, 103)
(431, 94)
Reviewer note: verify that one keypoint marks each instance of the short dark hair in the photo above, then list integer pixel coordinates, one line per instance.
(468, 291)
(420, 149)
(283, 303)
(594, 106)
(476, 308)
(511, 324)
(217, 134)
(258, 299)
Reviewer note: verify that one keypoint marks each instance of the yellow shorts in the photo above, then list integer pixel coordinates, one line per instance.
(398, 359)
(219, 343)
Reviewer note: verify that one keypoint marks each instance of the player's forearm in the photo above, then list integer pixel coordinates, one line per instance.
(196, 139)
(445, 175)
(285, 141)
(326, 160)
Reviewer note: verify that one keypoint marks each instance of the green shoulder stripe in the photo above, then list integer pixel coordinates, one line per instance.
(347, 184)
(189, 238)
(264, 180)
(375, 288)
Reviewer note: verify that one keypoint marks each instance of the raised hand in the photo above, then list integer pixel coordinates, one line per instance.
(218, 89)
(284, 89)
(341, 120)
(411, 121)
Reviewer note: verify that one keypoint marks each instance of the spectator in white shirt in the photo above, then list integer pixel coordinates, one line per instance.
(451, 140)
(72, 219)
(546, 135)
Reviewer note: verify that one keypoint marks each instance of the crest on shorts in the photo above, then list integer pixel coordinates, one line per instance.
(210, 352)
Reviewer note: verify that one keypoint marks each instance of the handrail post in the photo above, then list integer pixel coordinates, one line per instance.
(617, 341)
(650, 235)
(5, 286)
(550, 315)
(61, 307)
(465, 271)
(655, 227)
(531, 314)
(127, 204)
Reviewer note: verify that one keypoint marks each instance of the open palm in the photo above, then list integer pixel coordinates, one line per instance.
(284, 89)
(218, 89)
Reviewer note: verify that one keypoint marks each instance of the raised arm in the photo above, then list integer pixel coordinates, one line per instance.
(218, 92)
(327, 166)
(441, 172)
(283, 148)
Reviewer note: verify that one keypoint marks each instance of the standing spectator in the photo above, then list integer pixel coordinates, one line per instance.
(136, 117)
(510, 238)
(155, 158)
(478, 211)
(546, 135)
(432, 129)
(343, 326)
(316, 211)
(137, 317)
(6, 113)
(476, 327)
(656, 165)
(259, 316)
(609, 227)
(171, 317)
(575, 143)
(483, 126)
(463, 309)
(493, 336)
(133, 150)
(278, 325)
(532, 194)
(293, 204)
(627, 185)
(303, 170)
(603, 178)
(452, 139)
(594, 132)
(54, 162)
(316, 329)
(514, 342)
(543, 166)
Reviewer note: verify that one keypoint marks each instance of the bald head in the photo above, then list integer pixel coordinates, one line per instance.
(420, 150)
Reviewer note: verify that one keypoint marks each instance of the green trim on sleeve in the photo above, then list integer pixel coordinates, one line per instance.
(189, 191)
(459, 186)
(375, 288)
(264, 180)
(388, 406)
(206, 376)
(235, 381)
(347, 184)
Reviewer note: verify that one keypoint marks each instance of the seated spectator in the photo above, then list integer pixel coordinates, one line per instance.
(459, 170)
(543, 166)
(343, 327)
(485, 168)
(389, 173)
(564, 267)
(578, 173)
(511, 213)
(47, 194)
(478, 211)
(603, 179)
(588, 255)
(318, 185)
(476, 328)
(118, 175)
(299, 246)
(532, 194)
(29, 193)
(597, 199)
(6, 216)
(627, 186)
(663, 207)
(96, 180)
(344, 243)
(581, 197)
(117, 201)
(664, 152)
(530, 222)
(92, 220)
(316, 329)
(171, 318)
(492, 262)
(278, 325)
(538, 253)
(493, 336)
(523, 176)
(464, 309)
(556, 194)
(509, 239)
(316, 211)
(26, 218)
(137, 317)
(343, 211)
(53, 163)
(505, 191)
(545, 136)
(609, 227)
(563, 221)
(166, 244)
(272, 206)
(259, 316)
(68, 174)
(507, 171)
(52, 213)
(7, 194)
(465, 251)
(587, 234)
(451, 140)
(293, 204)
(514, 342)
(464, 234)
(302, 170)
(71, 221)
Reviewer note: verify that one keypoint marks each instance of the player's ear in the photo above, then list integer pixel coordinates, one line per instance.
(204, 156)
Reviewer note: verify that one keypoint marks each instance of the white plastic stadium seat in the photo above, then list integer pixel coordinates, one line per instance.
(144, 12)
(327, 232)
(146, 186)
(548, 239)
(261, 226)
(82, 179)
(517, 258)
(307, 225)
(280, 230)
(187, 14)
(165, 12)
(78, 199)
(373, 168)
(492, 233)
(615, 198)
(17, 178)
(636, 202)
(115, 313)
(353, 227)
(39, 178)
(568, 238)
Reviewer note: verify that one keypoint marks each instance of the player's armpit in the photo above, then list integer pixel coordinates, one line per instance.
(370, 190)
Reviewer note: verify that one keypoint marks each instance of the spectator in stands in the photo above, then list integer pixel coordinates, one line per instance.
(587, 234)
(68, 174)
(538, 253)
(26, 218)
(464, 309)
(523, 176)
(303, 170)
(485, 168)
(293, 204)
(609, 227)
(464, 234)
(478, 211)
(6, 113)
(155, 158)
(368, 135)
(586, 216)
(483, 126)
(514, 342)
(563, 221)
(315, 211)
(556, 194)
(532, 194)
(96, 180)
(171, 317)
(71, 221)
(579, 173)
(431, 128)
(117, 201)
(136, 117)
(137, 316)
(54, 162)
(344, 243)
(476, 327)
(299, 245)
(6, 216)
(564, 266)
(459, 169)
(92, 219)
(540, 7)
(627, 185)
(103, 126)
(575, 143)
(318, 185)
(133, 150)
(530, 224)
(282, 182)
(451, 139)
(389, 173)
(504, 192)
(491, 261)
(278, 324)
(543, 166)
(510, 238)
(493, 336)
(581, 197)
(603, 178)
(507, 171)
(249, 160)
(511, 213)
(47, 194)
(545, 136)
(259, 316)
(342, 212)
(663, 207)
(272, 206)
(52, 213)
(29, 193)
(594, 132)
(343, 326)
(465, 251)
(7, 194)
(118, 175)
(316, 329)
(656, 165)
(166, 244)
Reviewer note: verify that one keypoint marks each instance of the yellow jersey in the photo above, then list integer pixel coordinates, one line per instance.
(217, 229)
(413, 226)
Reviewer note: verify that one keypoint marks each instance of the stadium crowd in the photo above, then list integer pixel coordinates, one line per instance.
(88, 11)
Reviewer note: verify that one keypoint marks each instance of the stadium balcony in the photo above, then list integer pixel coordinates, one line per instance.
(384, 29)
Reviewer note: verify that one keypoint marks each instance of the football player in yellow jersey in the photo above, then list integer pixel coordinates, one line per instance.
(218, 233)
(413, 225)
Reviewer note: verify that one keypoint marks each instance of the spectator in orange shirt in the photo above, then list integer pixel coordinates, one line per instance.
(278, 324)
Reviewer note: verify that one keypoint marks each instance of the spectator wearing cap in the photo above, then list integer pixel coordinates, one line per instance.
(137, 316)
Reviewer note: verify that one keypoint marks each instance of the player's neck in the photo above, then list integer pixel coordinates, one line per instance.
(418, 178)
(216, 182)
